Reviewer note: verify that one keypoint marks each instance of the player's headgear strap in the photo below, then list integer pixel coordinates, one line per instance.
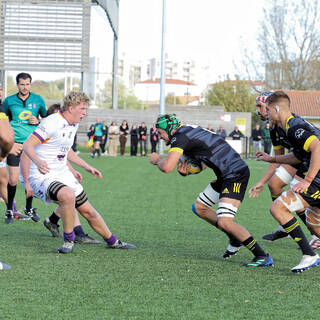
(262, 97)
(167, 122)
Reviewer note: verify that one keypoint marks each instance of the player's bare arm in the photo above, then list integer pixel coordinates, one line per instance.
(25, 171)
(76, 173)
(73, 157)
(33, 120)
(6, 136)
(259, 186)
(288, 158)
(28, 148)
(183, 168)
(165, 165)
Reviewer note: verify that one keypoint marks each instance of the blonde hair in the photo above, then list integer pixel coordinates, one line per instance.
(73, 99)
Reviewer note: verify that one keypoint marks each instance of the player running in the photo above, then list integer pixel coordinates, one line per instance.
(227, 191)
(278, 175)
(305, 193)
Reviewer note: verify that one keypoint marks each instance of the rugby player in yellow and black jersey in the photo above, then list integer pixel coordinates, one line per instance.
(279, 175)
(305, 155)
(227, 191)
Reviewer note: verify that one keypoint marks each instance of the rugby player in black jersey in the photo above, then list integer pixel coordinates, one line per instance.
(227, 191)
(304, 195)
(278, 175)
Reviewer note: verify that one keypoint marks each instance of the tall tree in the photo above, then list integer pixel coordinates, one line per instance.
(289, 44)
(234, 95)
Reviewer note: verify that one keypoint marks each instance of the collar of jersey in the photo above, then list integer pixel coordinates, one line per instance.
(61, 114)
(287, 122)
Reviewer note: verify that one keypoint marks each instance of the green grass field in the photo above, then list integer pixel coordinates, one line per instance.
(177, 271)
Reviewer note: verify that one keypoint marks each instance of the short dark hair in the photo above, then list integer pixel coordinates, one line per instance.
(53, 108)
(276, 96)
(23, 76)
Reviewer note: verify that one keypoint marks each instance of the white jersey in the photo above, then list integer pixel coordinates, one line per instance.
(56, 136)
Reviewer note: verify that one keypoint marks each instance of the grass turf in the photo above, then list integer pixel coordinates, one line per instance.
(177, 272)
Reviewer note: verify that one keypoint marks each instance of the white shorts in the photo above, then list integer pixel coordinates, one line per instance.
(284, 175)
(41, 182)
(3, 163)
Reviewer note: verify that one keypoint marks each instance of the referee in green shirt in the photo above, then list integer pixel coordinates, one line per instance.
(23, 110)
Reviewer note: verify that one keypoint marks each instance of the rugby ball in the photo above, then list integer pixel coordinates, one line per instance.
(195, 166)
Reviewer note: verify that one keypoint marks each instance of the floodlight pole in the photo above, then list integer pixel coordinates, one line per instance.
(162, 107)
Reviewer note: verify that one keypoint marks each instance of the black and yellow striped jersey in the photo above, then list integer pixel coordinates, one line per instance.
(209, 148)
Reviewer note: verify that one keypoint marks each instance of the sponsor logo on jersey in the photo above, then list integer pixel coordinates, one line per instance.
(61, 157)
(298, 134)
(225, 190)
(25, 115)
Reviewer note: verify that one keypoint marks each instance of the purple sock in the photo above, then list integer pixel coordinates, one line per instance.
(112, 240)
(14, 208)
(68, 236)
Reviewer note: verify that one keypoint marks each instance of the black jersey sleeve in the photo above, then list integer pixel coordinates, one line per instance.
(178, 143)
(300, 137)
(275, 138)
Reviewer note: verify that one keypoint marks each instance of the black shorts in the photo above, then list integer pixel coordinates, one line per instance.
(14, 160)
(312, 195)
(234, 188)
(99, 138)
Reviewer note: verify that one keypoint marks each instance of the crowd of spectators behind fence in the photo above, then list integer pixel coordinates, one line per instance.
(114, 136)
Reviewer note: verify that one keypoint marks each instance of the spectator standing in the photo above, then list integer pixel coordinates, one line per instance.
(143, 139)
(104, 142)
(90, 135)
(124, 131)
(98, 137)
(236, 134)
(256, 139)
(23, 108)
(134, 134)
(210, 128)
(267, 143)
(154, 138)
(222, 132)
(113, 139)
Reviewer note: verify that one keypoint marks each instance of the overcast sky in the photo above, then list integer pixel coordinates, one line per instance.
(210, 32)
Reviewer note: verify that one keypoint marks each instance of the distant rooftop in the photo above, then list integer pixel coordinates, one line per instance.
(169, 81)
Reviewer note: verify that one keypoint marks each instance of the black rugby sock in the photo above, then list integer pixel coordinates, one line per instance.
(294, 230)
(29, 203)
(303, 217)
(54, 218)
(78, 231)
(11, 193)
(254, 247)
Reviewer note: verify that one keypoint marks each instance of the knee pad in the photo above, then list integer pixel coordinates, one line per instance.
(81, 199)
(226, 209)
(294, 205)
(194, 209)
(313, 217)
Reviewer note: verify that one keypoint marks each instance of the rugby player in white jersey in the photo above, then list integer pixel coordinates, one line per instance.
(49, 148)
